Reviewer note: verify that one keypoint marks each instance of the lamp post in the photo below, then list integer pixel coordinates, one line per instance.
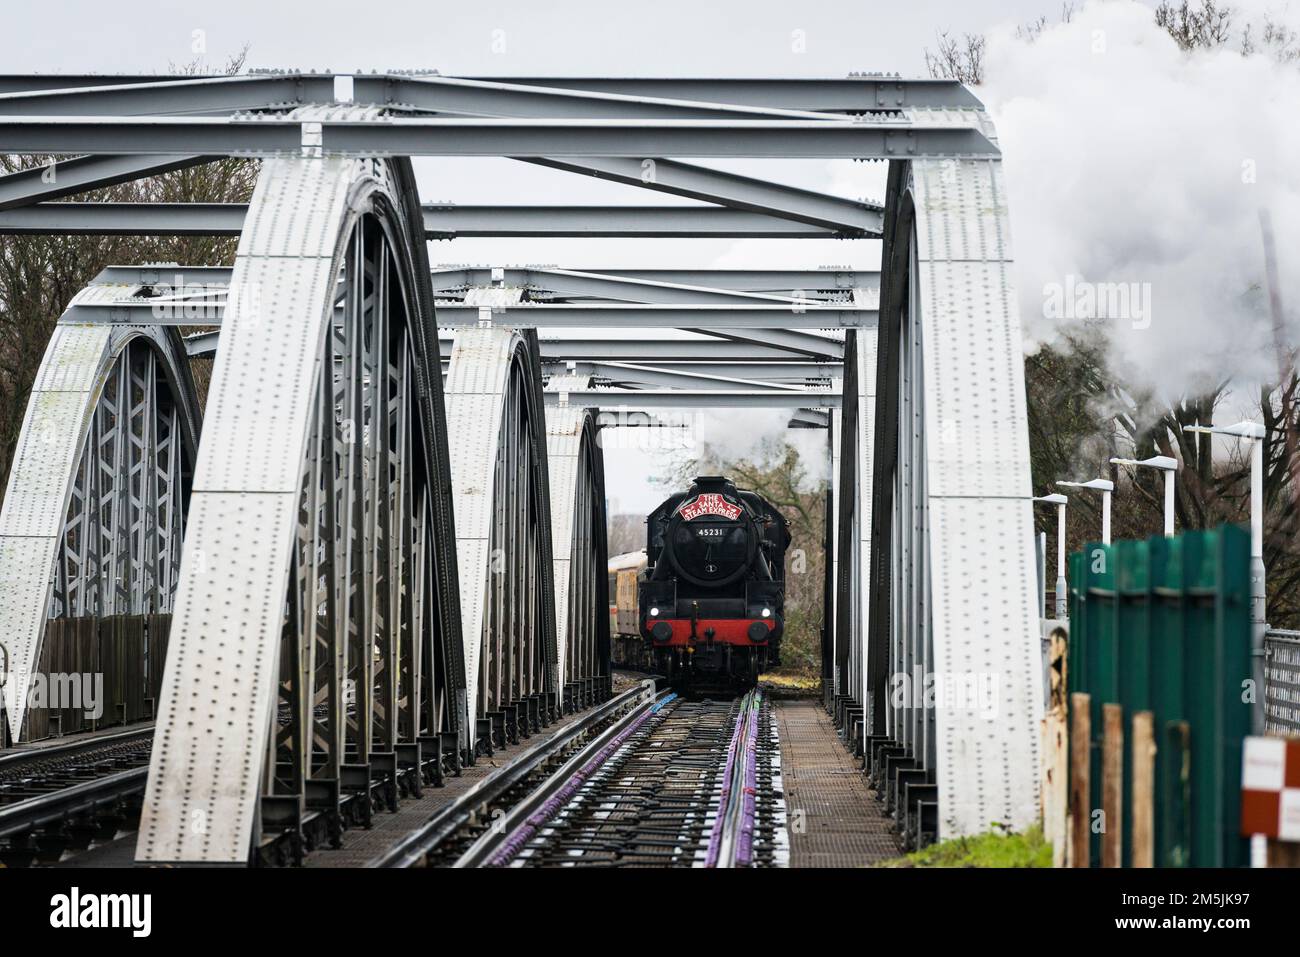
(1254, 433)
(1105, 487)
(1060, 501)
(1170, 467)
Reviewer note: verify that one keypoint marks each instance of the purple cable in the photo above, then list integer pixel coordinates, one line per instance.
(524, 832)
(745, 845)
(751, 733)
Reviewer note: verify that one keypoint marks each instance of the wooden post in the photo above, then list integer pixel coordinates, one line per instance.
(1283, 853)
(1055, 793)
(1112, 785)
(1080, 744)
(1143, 840)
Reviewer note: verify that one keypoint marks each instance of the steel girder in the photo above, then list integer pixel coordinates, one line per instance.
(612, 399)
(952, 564)
(500, 480)
(853, 94)
(775, 373)
(577, 470)
(552, 284)
(659, 316)
(67, 177)
(852, 464)
(318, 577)
(796, 283)
(206, 307)
(845, 218)
(22, 218)
(272, 136)
(687, 352)
(93, 516)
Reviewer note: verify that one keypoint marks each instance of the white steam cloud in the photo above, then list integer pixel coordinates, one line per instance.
(1129, 161)
(760, 436)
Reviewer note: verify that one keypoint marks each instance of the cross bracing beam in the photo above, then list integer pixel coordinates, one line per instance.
(627, 417)
(784, 281)
(164, 96)
(813, 283)
(850, 94)
(583, 315)
(543, 283)
(424, 136)
(179, 309)
(682, 350)
(786, 373)
(445, 221)
(845, 217)
(763, 362)
(787, 338)
(611, 399)
(638, 374)
(440, 221)
(80, 173)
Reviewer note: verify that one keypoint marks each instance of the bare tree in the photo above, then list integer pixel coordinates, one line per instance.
(40, 274)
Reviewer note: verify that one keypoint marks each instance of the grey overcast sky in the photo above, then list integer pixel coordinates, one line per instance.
(519, 37)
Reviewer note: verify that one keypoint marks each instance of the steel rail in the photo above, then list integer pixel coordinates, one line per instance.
(415, 849)
(71, 749)
(500, 844)
(26, 816)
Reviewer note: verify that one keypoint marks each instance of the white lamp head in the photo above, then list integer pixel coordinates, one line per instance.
(1054, 499)
(1097, 485)
(1163, 462)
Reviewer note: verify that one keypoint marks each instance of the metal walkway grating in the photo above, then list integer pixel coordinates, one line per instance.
(834, 821)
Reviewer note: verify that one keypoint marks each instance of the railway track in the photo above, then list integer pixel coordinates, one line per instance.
(665, 782)
(63, 797)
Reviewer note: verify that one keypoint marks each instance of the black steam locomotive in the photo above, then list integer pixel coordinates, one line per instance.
(712, 599)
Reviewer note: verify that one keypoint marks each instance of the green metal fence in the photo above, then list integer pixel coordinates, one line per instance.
(1163, 626)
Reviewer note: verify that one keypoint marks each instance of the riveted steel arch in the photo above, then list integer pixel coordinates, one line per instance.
(951, 564)
(581, 553)
(497, 428)
(93, 518)
(314, 639)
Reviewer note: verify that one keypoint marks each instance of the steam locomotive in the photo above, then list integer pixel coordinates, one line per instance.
(712, 597)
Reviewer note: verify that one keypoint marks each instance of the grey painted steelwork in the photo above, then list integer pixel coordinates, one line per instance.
(580, 551)
(93, 516)
(851, 94)
(68, 177)
(846, 218)
(624, 374)
(272, 136)
(657, 316)
(450, 96)
(551, 284)
(440, 221)
(817, 283)
(784, 373)
(612, 399)
(933, 499)
(503, 533)
(952, 564)
(319, 558)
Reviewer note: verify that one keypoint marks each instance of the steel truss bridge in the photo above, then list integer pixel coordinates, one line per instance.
(381, 543)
